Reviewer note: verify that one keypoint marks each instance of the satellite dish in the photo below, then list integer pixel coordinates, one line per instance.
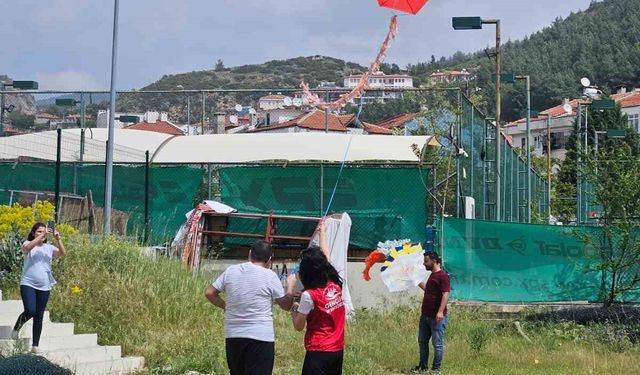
(584, 81)
(238, 107)
(567, 108)
(287, 101)
(252, 111)
(233, 119)
(297, 102)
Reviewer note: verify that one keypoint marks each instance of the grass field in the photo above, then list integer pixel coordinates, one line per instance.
(155, 309)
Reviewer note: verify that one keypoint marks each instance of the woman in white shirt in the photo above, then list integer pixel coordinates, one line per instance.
(37, 280)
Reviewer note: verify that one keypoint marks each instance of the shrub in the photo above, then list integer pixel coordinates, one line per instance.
(479, 337)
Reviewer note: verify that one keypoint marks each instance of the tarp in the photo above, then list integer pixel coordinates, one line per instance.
(130, 146)
(383, 202)
(329, 147)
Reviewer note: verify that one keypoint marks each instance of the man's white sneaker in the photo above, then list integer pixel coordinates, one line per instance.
(35, 350)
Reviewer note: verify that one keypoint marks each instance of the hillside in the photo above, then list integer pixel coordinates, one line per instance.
(269, 75)
(602, 43)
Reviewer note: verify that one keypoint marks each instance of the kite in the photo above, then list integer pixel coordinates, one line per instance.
(408, 6)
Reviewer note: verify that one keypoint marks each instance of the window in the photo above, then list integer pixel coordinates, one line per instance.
(634, 121)
(522, 142)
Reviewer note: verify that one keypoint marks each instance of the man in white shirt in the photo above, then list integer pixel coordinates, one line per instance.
(250, 289)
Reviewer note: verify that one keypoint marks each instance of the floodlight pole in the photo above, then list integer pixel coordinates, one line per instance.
(527, 145)
(112, 113)
(498, 110)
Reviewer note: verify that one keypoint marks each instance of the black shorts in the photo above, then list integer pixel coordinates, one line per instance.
(249, 356)
(322, 363)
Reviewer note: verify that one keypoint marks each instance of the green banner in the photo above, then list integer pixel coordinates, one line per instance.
(507, 262)
(383, 202)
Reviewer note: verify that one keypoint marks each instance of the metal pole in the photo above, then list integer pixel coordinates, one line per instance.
(82, 126)
(2, 109)
(498, 132)
(458, 135)
(147, 166)
(112, 114)
(578, 177)
(203, 109)
(57, 187)
(528, 83)
(209, 181)
(188, 110)
(548, 167)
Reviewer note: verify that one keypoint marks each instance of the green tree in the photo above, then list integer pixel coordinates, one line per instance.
(219, 65)
(21, 121)
(613, 173)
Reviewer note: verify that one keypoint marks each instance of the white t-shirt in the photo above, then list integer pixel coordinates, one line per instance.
(306, 303)
(36, 271)
(249, 293)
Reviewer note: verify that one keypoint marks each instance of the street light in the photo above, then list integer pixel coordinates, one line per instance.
(475, 23)
(20, 85)
(527, 80)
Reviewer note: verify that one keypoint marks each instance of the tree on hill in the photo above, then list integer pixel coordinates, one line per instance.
(219, 65)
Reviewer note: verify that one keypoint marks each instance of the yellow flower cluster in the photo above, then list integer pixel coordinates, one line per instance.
(20, 219)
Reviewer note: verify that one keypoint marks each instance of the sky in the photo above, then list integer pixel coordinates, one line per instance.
(66, 44)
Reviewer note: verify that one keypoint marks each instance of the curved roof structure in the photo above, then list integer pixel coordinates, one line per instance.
(130, 147)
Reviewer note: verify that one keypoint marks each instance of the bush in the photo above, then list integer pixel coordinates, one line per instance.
(11, 259)
(479, 337)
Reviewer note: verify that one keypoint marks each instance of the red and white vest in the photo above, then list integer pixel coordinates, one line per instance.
(325, 323)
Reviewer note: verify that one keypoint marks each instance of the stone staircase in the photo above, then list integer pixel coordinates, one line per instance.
(58, 343)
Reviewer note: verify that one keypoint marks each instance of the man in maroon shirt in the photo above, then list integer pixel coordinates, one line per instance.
(434, 313)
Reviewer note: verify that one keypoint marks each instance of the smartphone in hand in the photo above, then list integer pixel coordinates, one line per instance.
(51, 225)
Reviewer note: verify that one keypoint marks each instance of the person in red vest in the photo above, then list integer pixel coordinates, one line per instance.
(322, 310)
(433, 320)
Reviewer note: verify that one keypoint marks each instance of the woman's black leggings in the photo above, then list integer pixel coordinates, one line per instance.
(35, 302)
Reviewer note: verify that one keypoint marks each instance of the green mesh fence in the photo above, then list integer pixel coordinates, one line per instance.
(477, 177)
(172, 190)
(384, 202)
(509, 262)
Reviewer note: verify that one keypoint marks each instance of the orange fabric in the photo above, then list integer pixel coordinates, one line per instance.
(371, 259)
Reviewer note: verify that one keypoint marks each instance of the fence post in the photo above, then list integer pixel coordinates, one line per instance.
(146, 197)
(57, 188)
(209, 181)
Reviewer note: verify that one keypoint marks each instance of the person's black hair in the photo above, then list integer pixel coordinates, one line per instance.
(433, 256)
(261, 251)
(315, 270)
(34, 228)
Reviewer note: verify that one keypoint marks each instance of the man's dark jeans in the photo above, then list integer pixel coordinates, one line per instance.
(429, 328)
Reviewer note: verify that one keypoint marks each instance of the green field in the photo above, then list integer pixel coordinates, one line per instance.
(155, 309)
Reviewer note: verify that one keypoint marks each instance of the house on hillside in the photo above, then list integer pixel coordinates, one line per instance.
(164, 127)
(561, 124)
(314, 121)
(379, 82)
(102, 120)
(445, 77)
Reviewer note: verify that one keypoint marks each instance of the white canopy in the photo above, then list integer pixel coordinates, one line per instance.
(130, 146)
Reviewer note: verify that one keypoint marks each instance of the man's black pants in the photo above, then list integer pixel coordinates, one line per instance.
(249, 356)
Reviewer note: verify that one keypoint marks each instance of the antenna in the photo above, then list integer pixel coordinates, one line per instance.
(238, 107)
(567, 108)
(585, 82)
(233, 119)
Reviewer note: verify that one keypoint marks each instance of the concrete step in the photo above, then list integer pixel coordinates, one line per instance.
(124, 365)
(11, 306)
(51, 343)
(48, 330)
(70, 358)
(10, 318)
